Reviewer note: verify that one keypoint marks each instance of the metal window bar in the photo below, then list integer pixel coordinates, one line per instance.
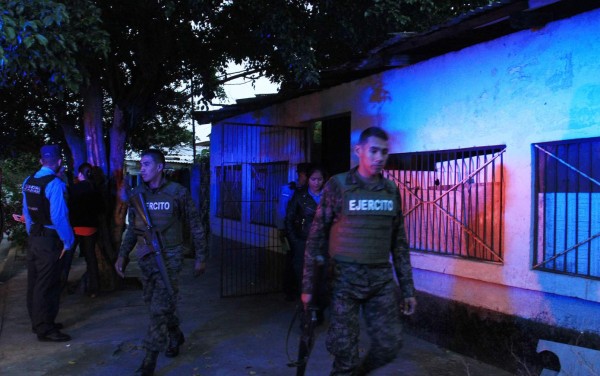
(252, 257)
(567, 214)
(267, 179)
(229, 194)
(452, 200)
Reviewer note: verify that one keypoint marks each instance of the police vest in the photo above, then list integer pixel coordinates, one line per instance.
(362, 232)
(38, 204)
(164, 211)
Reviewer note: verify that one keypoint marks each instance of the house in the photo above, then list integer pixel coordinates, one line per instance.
(494, 121)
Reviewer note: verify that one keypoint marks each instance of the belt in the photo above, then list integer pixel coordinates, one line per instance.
(345, 261)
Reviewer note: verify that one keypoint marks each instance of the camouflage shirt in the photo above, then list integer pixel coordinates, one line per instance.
(330, 209)
(188, 215)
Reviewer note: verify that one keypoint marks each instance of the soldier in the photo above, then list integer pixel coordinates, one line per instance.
(359, 220)
(170, 207)
(290, 277)
(50, 238)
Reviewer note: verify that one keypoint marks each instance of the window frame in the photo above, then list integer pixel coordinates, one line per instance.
(445, 194)
(266, 182)
(566, 188)
(229, 194)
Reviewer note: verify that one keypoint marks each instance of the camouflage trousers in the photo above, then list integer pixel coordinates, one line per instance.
(162, 306)
(373, 289)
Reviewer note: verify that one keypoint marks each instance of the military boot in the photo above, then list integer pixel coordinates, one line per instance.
(148, 364)
(176, 339)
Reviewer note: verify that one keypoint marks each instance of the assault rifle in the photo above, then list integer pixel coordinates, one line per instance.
(152, 239)
(308, 321)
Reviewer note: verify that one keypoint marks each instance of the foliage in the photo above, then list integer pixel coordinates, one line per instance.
(29, 118)
(203, 157)
(42, 41)
(17, 135)
(14, 172)
(159, 133)
(293, 41)
(156, 46)
(43, 47)
(163, 124)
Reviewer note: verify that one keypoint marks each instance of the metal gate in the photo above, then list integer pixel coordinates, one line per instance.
(251, 164)
(452, 200)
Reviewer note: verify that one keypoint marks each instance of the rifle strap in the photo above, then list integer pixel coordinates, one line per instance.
(138, 209)
(304, 314)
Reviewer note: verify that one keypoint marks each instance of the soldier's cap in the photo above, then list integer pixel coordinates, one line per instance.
(50, 151)
(302, 168)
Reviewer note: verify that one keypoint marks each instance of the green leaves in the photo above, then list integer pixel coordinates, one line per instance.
(10, 33)
(294, 41)
(14, 172)
(39, 39)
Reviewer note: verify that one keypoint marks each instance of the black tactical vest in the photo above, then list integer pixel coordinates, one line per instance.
(362, 232)
(37, 203)
(165, 214)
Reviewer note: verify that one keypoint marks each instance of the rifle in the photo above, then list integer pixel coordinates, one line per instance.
(153, 240)
(308, 317)
(308, 321)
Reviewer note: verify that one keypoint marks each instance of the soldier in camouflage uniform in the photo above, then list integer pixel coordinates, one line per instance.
(170, 207)
(359, 221)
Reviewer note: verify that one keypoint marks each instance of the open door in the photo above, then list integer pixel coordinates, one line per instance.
(330, 143)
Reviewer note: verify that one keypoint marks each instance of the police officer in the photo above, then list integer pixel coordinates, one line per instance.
(50, 237)
(359, 221)
(170, 207)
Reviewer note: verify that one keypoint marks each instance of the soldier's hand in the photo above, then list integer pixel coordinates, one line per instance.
(409, 306)
(120, 266)
(199, 268)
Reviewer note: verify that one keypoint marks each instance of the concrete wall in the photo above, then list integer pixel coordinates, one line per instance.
(531, 86)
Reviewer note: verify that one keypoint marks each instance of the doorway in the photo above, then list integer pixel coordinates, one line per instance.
(330, 143)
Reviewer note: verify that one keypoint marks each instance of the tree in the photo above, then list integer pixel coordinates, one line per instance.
(293, 41)
(42, 46)
(42, 40)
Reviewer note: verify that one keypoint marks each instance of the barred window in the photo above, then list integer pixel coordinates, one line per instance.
(452, 200)
(267, 179)
(229, 194)
(567, 210)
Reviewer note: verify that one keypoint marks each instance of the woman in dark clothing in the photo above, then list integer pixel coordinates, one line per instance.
(300, 213)
(85, 207)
